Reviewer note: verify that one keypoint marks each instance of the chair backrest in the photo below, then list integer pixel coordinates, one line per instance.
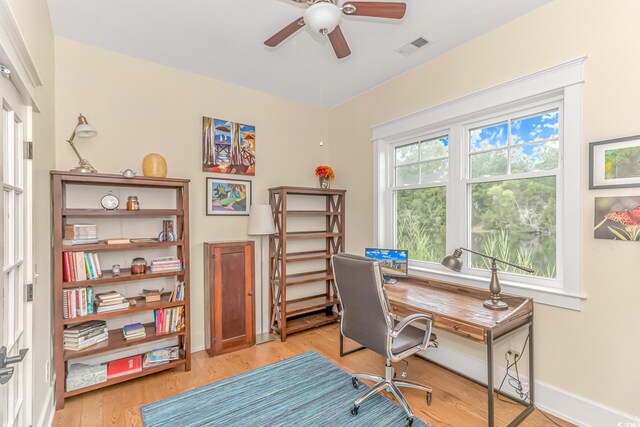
(364, 305)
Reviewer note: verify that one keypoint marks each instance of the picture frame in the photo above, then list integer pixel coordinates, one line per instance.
(228, 196)
(614, 163)
(617, 218)
(228, 147)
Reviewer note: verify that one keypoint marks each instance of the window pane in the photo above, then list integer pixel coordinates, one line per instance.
(408, 175)
(421, 222)
(434, 148)
(407, 154)
(487, 138)
(437, 170)
(515, 221)
(536, 128)
(534, 157)
(491, 163)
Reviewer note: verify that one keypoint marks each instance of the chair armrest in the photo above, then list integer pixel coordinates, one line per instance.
(411, 319)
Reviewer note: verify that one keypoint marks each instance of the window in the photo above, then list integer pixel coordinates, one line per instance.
(421, 172)
(497, 172)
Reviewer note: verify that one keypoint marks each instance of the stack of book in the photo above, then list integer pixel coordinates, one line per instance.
(160, 357)
(126, 366)
(77, 302)
(80, 234)
(111, 301)
(133, 331)
(169, 320)
(178, 292)
(78, 266)
(152, 295)
(169, 263)
(84, 335)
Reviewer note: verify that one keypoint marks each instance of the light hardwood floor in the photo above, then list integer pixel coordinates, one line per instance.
(456, 401)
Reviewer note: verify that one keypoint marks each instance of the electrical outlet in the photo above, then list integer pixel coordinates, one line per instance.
(512, 355)
(47, 374)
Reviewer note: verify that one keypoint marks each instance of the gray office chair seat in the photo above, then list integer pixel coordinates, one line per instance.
(365, 317)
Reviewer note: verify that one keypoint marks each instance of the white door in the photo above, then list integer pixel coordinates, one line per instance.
(15, 333)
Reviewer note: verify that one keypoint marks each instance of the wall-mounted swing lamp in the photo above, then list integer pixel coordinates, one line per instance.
(454, 262)
(82, 130)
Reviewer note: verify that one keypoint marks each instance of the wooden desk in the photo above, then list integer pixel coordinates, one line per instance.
(458, 309)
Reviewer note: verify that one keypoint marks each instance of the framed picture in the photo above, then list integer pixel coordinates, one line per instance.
(228, 147)
(617, 218)
(615, 163)
(228, 196)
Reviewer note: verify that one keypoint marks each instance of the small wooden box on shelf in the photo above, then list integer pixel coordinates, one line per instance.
(299, 314)
(61, 214)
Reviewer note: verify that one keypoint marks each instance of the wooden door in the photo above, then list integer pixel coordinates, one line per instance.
(231, 303)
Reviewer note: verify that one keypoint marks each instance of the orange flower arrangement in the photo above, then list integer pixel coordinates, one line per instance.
(325, 172)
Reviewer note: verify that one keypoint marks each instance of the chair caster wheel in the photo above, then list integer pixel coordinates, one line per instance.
(429, 397)
(408, 422)
(354, 382)
(354, 410)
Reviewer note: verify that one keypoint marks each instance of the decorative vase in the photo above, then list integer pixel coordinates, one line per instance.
(154, 165)
(324, 183)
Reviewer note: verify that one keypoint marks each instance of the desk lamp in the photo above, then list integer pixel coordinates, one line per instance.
(454, 262)
(82, 130)
(261, 224)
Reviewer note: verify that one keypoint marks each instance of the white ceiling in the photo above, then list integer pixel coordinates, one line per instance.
(223, 39)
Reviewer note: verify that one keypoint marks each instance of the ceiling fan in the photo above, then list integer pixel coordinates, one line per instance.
(324, 16)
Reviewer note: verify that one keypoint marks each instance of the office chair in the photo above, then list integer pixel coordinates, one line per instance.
(365, 318)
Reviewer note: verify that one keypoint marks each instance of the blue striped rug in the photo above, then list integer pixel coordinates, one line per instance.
(305, 390)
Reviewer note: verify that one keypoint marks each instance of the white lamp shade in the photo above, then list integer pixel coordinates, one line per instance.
(323, 17)
(261, 221)
(85, 130)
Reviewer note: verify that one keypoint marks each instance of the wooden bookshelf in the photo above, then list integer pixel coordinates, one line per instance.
(294, 315)
(61, 213)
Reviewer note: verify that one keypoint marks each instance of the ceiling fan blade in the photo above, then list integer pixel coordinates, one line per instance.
(382, 9)
(285, 33)
(339, 43)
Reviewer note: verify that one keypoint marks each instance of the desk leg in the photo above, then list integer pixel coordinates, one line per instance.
(490, 414)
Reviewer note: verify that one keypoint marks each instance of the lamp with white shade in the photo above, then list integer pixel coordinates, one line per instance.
(261, 224)
(82, 130)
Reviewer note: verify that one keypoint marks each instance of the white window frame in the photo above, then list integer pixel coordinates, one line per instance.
(561, 84)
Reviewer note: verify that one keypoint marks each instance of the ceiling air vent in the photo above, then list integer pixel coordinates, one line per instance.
(413, 46)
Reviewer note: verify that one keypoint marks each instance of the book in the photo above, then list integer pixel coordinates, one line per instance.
(90, 297)
(152, 295)
(87, 343)
(80, 231)
(117, 241)
(84, 327)
(128, 365)
(109, 296)
(134, 329)
(160, 356)
(77, 242)
(106, 309)
(143, 240)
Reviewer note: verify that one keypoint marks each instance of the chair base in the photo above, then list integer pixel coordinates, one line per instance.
(391, 384)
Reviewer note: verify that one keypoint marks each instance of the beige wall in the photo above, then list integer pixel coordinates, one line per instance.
(594, 352)
(139, 107)
(32, 18)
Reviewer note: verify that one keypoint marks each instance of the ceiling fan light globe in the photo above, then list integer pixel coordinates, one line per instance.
(323, 17)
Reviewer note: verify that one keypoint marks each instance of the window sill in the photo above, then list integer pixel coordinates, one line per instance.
(539, 294)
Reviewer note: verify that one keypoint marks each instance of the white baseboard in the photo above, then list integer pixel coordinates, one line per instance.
(197, 342)
(561, 403)
(48, 410)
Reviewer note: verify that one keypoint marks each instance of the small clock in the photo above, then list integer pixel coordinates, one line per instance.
(110, 202)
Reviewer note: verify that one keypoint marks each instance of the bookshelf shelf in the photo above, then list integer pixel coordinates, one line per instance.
(140, 307)
(125, 276)
(118, 380)
(289, 316)
(117, 341)
(61, 183)
(101, 246)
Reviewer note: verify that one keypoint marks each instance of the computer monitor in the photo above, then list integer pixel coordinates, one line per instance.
(394, 262)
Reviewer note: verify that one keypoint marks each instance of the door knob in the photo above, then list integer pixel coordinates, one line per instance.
(5, 375)
(4, 360)
(250, 294)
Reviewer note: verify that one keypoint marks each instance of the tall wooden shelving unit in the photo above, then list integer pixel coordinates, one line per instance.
(116, 341)
(295, 315)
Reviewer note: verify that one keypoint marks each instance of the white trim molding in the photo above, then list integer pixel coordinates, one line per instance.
(563, 404)
(561, 84)
(48, 410)
(19, 53)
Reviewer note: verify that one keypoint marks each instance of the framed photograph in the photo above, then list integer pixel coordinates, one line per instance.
(615, 163)
(617, 218)
(228, 196)
(228, 147)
